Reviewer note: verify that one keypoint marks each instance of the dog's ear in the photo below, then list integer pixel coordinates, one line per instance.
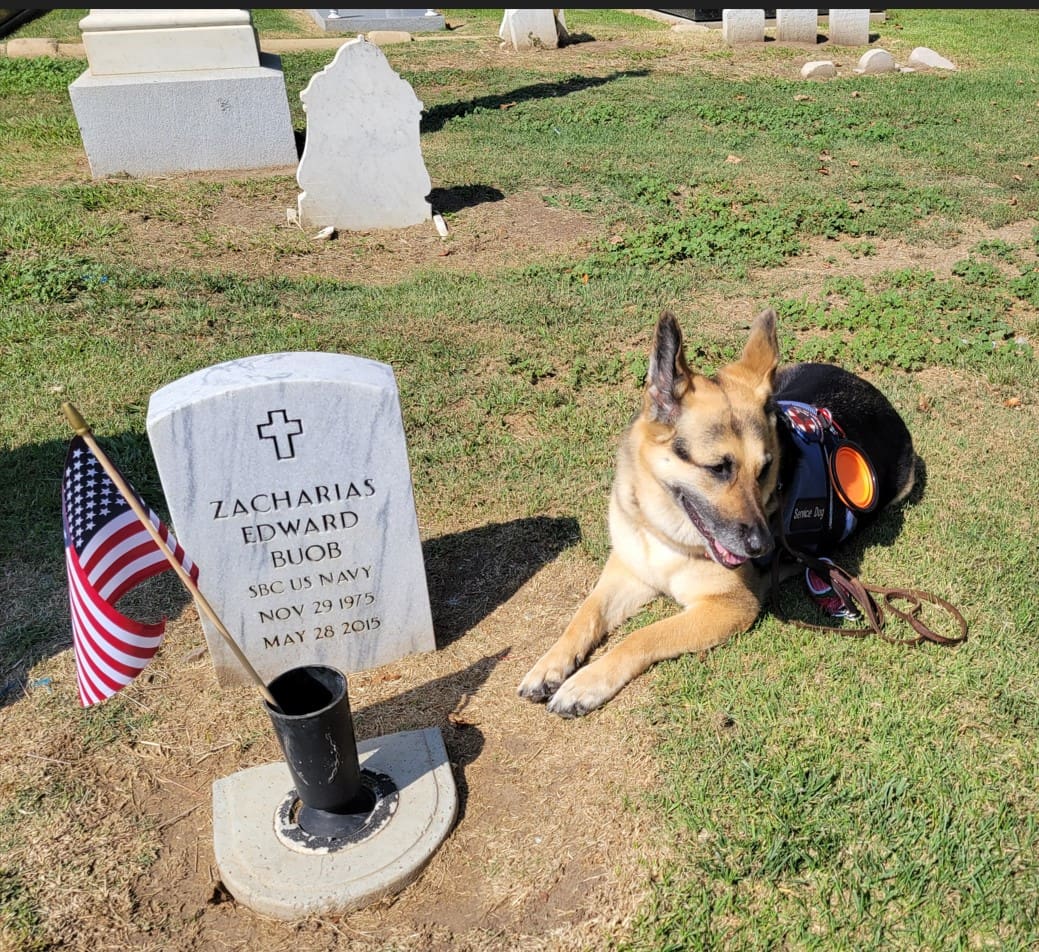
(668, 378)
(761, 352)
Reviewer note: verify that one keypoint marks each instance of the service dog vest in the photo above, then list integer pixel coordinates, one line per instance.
(832, 480)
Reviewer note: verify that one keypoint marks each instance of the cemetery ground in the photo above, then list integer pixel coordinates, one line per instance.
(790, 789)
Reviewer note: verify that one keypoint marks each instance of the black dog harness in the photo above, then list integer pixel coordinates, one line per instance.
(832, 481)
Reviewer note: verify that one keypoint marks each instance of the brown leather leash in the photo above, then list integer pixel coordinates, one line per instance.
(857, 598)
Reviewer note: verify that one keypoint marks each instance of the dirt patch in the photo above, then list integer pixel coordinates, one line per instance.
(545, 852)
(827, 258)
(246, 233)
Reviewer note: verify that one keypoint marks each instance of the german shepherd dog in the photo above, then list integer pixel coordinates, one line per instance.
(695, 501)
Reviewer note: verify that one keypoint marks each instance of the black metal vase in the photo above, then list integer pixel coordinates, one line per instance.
(316, 734)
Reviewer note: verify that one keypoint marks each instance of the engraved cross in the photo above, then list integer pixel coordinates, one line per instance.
(280, 429)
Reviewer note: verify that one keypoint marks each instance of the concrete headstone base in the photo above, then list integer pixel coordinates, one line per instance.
(270, 876)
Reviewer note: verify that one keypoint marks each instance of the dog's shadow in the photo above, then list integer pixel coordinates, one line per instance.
(792, 602)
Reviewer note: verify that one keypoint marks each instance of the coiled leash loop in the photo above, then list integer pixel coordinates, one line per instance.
(833, 482)
(857, 600)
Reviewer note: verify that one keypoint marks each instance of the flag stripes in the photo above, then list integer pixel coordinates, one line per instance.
(108, 552)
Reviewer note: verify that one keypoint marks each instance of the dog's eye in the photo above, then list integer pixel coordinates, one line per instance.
(681, 450)
(722, 470)
(765, 469)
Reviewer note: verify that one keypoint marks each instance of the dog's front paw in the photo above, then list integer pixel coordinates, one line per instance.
(543, 680)
(582, 693)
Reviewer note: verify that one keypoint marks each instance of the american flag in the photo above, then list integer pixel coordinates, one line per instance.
(108, 551)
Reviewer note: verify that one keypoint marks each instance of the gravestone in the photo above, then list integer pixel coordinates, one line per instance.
(287, 480)
(364, 21)
(819, 69)
(362, 164)
(797, 26)
(874, 62)
(286, 477)
(924, 58)
(848, 27)
(533, 29)
(179, 91)
(743, 26)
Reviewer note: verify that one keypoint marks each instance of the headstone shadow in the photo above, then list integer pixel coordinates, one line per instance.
(431, 705)
(433, 119)
(450, 200)
(471, 573)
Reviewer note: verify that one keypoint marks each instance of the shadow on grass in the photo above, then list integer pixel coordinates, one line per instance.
(471, 573)
(449, 200)
(433, 119)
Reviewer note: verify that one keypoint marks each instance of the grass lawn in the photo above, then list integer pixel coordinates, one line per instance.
(788, 790)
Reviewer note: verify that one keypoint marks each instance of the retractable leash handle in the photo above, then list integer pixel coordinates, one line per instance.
(850, 478)
(857, 597)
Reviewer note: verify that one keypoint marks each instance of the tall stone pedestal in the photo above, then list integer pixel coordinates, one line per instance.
(180, 90)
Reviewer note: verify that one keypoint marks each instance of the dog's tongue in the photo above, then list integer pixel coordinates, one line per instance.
(729, 559)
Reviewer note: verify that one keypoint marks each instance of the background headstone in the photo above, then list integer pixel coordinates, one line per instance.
(179, 91)
(848, 27)
(818, 69)
(873, 62)
(531, 29)
(287, 481)
(743, 26)
(362, 21)
(362, 163)
(797, 26)
(924, 58)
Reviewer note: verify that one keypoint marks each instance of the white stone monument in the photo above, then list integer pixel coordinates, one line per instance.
(287, 479)
(179, 91)
(533, 29)
(743, 26)
(848, 27)
(924, 58)
(362, 164)
(797, 26)
(875, 62)
(351, 20)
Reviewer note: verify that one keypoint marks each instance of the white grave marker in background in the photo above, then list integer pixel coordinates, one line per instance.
(362, 162)
(179, 91)
(531, 29)
(848, 27)
(287, 480)
(743, 26)
(797, 26)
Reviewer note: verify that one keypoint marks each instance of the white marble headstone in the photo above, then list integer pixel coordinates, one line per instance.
(848, 27)
(797, 26)
(531, 29)
(743, 26)
(362, 161)
(876, 61)
(287, 481)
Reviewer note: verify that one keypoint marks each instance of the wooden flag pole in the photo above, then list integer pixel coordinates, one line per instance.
(79, 426)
